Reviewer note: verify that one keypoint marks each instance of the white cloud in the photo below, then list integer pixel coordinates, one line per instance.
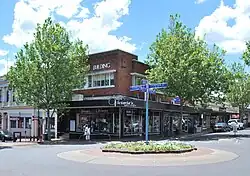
(94, 31)
(6, 64)
(232, 37)
(199, 1)
(3, 52)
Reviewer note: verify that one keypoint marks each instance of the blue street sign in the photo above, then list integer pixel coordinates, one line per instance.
(177, 100)
(136, 88)
(160, 85)
(151, 91)
(144, 81)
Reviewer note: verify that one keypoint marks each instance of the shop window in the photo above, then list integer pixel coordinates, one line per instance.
(154, 122)
(101, 80)
(20, 122)
(132, 122)
(27, 125)
(0, 95)
(12, 123)
(100, 122)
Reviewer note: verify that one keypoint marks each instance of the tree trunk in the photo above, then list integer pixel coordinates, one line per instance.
(48, 125)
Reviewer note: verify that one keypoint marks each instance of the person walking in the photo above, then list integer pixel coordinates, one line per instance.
(87, 133)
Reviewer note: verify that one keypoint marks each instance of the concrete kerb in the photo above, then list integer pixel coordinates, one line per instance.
(16, 144)
(198, 157)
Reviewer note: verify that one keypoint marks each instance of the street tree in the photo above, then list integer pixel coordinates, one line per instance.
(239, 88)
(193, 71)
(48, 69)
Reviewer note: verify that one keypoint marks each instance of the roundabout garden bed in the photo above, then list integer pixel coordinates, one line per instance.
(151, 148)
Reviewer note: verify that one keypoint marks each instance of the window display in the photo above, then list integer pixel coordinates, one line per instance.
(99, 121)
(132, 122)
(154, 122)
(167, 125)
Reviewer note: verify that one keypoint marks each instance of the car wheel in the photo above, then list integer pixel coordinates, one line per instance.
(3, 139)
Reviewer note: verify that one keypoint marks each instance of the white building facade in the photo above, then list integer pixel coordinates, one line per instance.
(18, 117)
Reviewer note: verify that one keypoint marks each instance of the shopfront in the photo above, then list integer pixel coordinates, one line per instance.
(117, 118)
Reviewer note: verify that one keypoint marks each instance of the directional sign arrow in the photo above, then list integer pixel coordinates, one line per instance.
(160, 85)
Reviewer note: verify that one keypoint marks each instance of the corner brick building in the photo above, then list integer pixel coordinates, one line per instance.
(107, 106)
(121, 67)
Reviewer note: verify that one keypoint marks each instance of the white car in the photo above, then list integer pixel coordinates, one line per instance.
(238, 123)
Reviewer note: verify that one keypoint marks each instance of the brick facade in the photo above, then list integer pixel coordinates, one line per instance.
(123, 63)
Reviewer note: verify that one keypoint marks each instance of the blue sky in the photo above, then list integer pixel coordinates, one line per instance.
(131, 25)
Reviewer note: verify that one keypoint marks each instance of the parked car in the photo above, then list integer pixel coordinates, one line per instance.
(239, 124)
(6, 135)
(221, 127)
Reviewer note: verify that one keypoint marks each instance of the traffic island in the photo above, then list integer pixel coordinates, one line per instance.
(196, 157)
(150, 148)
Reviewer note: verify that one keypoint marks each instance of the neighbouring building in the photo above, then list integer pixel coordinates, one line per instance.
(18, 117)
(106, 104)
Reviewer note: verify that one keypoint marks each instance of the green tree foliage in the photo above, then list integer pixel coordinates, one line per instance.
(49, 68)
(193, 71)
(239, 83)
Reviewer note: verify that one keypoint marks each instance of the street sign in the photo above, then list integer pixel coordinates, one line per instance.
(177, 100)
(147, 89)
(160, 85)
(137, 88)
(144, 81)
(150, 91)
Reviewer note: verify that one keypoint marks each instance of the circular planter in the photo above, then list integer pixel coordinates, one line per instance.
(129, 151)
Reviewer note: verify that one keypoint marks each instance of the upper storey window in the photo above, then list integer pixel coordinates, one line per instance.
(100, 80)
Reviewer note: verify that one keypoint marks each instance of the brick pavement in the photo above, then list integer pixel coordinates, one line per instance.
(200, 156)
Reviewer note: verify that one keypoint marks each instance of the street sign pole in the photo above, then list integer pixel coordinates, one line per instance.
(146, 127)
(147, 89)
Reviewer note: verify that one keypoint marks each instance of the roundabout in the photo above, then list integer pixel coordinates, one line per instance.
(200, 156)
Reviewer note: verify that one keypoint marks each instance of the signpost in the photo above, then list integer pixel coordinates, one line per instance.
(148, 89)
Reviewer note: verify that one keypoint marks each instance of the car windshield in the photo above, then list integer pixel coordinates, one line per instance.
(230, 121)
(5, 132)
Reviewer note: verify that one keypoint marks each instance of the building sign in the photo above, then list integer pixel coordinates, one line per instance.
(125, 103)
(101, 66)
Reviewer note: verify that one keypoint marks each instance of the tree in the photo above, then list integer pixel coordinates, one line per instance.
(193, 71)
(239, 86)
(48, 69)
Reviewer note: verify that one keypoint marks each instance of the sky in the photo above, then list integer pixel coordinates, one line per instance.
(130, 25)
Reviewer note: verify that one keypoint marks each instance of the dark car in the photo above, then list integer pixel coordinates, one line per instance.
(6, 135)
(221, 127)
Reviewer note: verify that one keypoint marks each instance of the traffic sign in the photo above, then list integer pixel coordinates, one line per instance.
(160, 85)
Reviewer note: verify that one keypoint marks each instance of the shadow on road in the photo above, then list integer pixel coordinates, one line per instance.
(5, 147)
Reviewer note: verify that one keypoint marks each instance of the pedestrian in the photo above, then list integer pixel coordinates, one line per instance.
(87, 133)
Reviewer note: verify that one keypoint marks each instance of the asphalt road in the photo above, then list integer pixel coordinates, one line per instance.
(43, 161)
